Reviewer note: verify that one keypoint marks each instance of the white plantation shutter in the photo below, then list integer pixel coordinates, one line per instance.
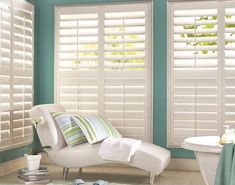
(5, 64)
(17, 64)
(221, 103)
(126, 64)
(77, 60)
(193, 71)
(229, 66)
(22, 71)
(110, 69)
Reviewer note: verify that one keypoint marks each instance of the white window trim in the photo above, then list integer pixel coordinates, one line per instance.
(149, 127)
(169, 58)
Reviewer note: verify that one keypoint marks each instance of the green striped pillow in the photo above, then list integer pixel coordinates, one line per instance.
(72, 133)
(95, 127)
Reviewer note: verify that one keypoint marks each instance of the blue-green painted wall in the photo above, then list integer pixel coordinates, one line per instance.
(44, 66)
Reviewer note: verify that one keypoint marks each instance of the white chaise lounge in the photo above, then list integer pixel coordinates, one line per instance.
(149, 157)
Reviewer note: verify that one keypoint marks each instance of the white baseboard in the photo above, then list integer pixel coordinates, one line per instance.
(11, 166)
(175, 164)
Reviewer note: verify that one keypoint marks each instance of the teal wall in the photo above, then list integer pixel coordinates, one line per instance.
(44, 67)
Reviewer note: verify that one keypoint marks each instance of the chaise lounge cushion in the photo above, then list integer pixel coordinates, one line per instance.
(149, 157)
(95, 127)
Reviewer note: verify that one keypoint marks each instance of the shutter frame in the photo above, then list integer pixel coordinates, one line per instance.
(229, 65)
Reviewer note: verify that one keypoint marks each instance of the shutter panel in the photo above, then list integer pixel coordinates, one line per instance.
(22, 72)
(229, 66)
(16, 73)
(193, 75)
(125, 85)
(103, 64)
(77, 62)
(5, 63)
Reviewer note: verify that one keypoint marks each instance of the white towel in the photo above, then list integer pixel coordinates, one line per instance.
(118, 149)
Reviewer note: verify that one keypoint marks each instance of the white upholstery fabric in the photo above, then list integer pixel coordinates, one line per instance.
(119, 149)
(48, 132)
(149, 157)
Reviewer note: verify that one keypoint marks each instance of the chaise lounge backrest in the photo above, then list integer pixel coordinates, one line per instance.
(48, 132)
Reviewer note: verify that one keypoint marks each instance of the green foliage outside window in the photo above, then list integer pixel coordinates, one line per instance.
(112, 42)
(205, 27)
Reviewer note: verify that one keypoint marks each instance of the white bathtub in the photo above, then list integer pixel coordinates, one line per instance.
(207, 151)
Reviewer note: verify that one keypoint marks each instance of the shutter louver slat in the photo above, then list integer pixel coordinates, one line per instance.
(192, 31)
(195, 12)
(125, 15)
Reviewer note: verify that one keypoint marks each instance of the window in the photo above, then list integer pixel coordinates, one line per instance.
(103, 64)
(16, 73)
(201, 69)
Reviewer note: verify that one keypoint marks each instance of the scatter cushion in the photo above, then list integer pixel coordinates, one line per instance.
(95, 127)
(72, 133)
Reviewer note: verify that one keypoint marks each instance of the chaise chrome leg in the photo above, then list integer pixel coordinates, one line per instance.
(65, 172)
(151, 178)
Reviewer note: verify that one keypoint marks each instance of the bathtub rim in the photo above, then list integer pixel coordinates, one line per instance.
(195, 144)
